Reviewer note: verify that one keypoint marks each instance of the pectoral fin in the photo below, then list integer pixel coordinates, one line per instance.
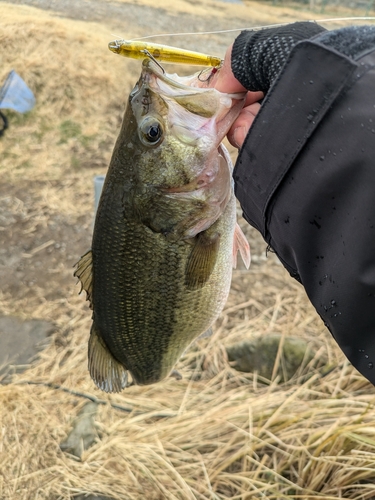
(240, 244)
(84, 273)
(107, 373)
(202, 260)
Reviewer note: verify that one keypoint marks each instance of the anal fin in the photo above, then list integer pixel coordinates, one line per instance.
(202, 260)
(107, 373)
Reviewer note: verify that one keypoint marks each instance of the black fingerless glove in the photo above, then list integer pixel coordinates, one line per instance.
(258, 56)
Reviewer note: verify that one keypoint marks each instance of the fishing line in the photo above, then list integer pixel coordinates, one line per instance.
(256, 28)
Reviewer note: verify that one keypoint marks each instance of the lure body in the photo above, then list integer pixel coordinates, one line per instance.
(162, 53)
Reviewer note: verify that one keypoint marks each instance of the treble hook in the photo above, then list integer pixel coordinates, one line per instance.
(212, 72)
(148, 54)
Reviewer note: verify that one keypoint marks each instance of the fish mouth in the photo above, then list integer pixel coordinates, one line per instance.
(184, 83)
(210, 111)
(153, 75)
(151, 67)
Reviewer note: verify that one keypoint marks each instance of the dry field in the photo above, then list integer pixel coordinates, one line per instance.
(217, 433)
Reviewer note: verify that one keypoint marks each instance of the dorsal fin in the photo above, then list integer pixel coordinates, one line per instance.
(84, 273)
(240, 244)
(107, 373)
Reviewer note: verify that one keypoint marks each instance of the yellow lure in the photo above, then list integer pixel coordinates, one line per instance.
(162, 53)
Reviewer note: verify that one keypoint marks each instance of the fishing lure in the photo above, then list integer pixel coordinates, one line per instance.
(138, 49)
(163, 53)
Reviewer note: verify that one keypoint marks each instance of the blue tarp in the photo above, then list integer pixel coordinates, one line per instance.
(16, 95)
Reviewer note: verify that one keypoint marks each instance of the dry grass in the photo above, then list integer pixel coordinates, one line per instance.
(215, 434)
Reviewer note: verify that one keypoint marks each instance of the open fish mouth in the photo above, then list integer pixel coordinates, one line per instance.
(194, 108)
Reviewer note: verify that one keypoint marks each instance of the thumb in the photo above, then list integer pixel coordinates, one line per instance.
(224, 80)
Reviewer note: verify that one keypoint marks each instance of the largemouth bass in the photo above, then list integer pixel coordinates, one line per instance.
(165, 236)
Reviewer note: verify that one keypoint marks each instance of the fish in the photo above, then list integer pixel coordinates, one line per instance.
(165, 236)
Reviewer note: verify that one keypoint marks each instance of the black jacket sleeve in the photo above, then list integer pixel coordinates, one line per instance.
(305, 179)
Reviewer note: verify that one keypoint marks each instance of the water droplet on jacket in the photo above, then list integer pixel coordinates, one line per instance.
(322, 158)
(333, 303)
(371, 365)
(311, 82)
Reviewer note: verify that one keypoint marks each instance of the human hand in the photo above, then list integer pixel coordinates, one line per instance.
(225, 81)
(253, 63)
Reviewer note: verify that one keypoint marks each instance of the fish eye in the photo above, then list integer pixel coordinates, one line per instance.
(150, 131)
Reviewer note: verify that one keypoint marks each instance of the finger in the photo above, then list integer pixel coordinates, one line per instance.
(239, 130)
(253, 97)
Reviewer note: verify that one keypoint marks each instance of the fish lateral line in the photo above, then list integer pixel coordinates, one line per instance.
(163, 53)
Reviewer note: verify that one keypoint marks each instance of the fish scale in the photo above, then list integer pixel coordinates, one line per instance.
(159, 270)
(130, 302)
